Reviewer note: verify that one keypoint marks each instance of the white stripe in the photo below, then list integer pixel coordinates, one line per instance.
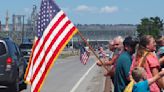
(81, 79)
(55, 45)
(48, 42)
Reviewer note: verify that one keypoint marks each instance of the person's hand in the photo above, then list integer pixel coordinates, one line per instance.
(161, 73)
(99, 63)
(107, 74)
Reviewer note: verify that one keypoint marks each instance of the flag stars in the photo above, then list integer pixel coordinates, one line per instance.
(47, 12)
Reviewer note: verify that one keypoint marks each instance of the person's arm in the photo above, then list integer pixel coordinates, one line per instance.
(110, 62)
(160, 82)
(156, 77)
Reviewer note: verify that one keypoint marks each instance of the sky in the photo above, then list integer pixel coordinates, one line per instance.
(91, 11)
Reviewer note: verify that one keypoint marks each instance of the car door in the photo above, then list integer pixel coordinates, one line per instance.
(3, 57)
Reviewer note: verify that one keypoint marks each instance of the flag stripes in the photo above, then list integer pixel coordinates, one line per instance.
(39, 83)
(48, 52)
(84, 57)
(40, 43)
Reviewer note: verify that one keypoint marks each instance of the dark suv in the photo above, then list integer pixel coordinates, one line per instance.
(12, 66)
(26, 50)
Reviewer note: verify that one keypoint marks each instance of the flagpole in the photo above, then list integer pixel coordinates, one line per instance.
(82, 37)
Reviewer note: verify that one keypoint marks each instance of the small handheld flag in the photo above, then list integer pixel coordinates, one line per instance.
(84, 55)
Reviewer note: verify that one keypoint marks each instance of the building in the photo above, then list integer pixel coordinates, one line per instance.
(97, 34)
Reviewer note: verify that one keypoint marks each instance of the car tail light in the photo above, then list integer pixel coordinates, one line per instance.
(9, 60)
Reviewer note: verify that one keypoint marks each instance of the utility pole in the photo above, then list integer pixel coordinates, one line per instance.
(72, 42)
(23, 29)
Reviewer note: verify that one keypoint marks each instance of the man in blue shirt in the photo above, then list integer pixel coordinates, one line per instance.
(123, 65)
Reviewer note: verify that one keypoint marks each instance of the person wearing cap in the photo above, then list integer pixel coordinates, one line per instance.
(123, 63)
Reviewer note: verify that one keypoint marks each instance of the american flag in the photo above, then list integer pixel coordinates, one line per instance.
(54, 31)
(102, 53)
(84, 54)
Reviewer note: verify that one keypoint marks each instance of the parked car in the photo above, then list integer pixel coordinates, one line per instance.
(12, 66)
(26, 50)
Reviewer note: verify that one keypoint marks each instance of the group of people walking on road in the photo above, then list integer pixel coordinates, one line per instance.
(139, 59)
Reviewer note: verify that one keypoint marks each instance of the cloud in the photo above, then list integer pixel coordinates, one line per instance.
(91, 9)
(109, 9)
(83, 8)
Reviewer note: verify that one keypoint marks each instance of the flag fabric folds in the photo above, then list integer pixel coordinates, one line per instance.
(54, 31)
(84, 55)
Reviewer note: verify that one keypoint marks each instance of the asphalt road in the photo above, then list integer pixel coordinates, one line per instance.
(69, 75)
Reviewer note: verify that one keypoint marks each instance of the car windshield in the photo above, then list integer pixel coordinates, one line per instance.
(2, 49)
(26, 46)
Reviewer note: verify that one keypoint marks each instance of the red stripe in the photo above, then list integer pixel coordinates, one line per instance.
(52, 58)
(48, 35)
(57, 36)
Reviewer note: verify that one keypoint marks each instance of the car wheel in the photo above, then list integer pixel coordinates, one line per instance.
(22, 86)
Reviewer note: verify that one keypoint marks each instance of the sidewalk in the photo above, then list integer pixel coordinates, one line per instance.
(108, 85)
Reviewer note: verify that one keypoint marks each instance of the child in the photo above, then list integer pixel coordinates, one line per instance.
(142, 83)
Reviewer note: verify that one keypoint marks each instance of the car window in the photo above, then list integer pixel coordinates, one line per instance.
(17, 49)
(2, 49)
(26, 46)
(12, 49)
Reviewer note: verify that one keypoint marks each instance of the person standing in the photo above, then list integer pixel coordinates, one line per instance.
(151, 64)
(123, 63)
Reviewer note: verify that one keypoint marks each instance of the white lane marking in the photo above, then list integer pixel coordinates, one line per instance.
(82, 78)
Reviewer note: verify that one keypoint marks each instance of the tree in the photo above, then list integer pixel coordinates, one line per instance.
(150, 26)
